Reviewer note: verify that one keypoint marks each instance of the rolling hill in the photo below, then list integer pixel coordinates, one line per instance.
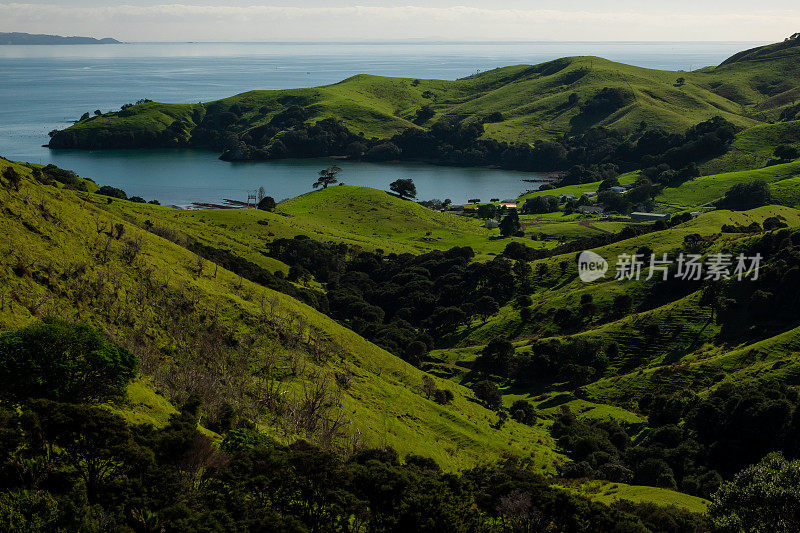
(77, 256)
(516, 104)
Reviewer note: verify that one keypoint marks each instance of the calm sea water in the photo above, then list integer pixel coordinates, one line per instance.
(43, 87)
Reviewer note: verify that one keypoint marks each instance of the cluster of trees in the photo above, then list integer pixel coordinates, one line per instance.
(404, 302)
(692, 444)
(743, 196)
(573, 361)
(68, 464)
(769, 303)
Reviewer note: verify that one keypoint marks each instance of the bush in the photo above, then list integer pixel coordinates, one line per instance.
(786, 152)
(488, 393)
(523, 412)
(267, 203)
(61, 361)
(113, 192)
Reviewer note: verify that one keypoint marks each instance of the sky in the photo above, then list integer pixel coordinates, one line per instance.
(382, 20)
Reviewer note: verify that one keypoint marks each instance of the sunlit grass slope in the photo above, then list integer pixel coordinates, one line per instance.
(359, 216)
(56, 262)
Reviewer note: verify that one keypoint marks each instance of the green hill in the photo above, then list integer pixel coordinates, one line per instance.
(210, 308)
(80, 256)
(519, 104)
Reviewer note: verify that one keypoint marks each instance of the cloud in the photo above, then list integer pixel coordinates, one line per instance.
(265, 23)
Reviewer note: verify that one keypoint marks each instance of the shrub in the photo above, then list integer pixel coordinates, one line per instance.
(61, 361)
(523, 412)
(113, 192)
(488, 393)
(267, 203)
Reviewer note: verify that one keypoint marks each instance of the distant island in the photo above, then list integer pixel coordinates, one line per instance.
(35, 38)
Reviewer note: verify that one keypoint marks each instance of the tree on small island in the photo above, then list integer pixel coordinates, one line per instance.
(404, 188)
(327, 177)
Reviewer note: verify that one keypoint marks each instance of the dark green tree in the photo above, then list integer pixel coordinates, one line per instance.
(62, 361)
(762, 497)
(328, 176)
(267, 203)
(510, 223)
(404, 188)
(487, 392)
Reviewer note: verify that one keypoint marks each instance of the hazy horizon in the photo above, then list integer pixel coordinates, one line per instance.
(383, 20)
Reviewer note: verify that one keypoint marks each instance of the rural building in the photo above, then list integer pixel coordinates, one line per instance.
(638, 216)
(589, 194)
(590, 209)
(491, 224)
(620, 189)
(566, 196)
(509, 204)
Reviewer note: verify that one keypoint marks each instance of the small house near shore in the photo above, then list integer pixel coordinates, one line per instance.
(491, 224)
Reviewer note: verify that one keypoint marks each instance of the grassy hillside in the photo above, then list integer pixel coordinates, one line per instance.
(520, 103)
(358, 216)
(194, 328)
(753, 148)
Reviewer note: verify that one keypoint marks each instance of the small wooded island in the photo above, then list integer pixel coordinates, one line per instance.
(36, 38)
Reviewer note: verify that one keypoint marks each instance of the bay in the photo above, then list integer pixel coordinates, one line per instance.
(44, 87)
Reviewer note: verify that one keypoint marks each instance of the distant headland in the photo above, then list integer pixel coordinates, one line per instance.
(33, 38)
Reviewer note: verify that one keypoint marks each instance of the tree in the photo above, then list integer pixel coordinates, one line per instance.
(510, 223)
(523, 412)
(680, 81)
(404, 188)
(614, 201)
(62, 361)
(786, 152)
(327, 176)
(746, 196)
(539, 204)
(267, 203)
(95, 442)
(113, 192)
(762, 497)
(12, 178)
(487, 211)
(486, 306)
(487, 392)
(496, 357)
